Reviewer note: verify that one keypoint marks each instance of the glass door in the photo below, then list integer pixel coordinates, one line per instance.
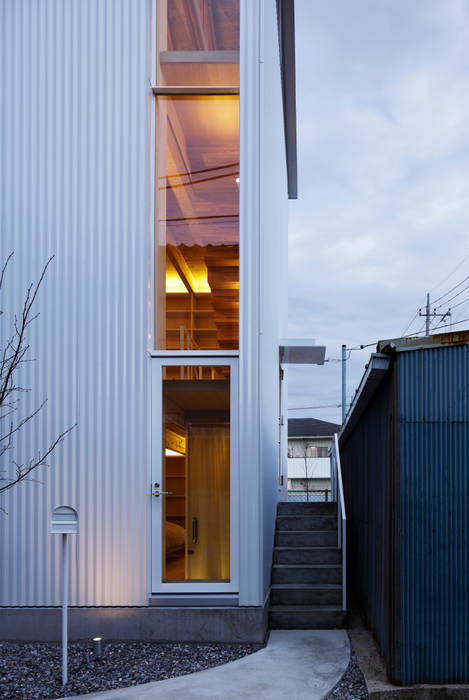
(195, 484)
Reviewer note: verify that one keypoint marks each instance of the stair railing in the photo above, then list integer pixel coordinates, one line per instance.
(338, 497)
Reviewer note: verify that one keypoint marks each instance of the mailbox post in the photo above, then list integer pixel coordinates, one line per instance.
(64, 521)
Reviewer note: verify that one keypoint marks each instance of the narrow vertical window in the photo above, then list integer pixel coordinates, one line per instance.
(196, 305)
(196, 474)
(198, 42)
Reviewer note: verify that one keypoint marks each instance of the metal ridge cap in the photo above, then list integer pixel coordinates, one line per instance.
(437, 340)
(375, 370)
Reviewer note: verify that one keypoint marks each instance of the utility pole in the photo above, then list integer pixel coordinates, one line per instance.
(427, 316)
(430, 314)
(344, 381)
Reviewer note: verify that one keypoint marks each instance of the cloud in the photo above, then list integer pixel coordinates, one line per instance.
(383, 144)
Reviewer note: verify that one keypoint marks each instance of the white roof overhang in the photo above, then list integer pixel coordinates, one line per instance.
(301, 351)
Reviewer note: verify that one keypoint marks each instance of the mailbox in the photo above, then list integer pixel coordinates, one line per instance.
(64, 521)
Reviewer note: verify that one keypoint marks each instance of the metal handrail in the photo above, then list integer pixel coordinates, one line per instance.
(338, 497)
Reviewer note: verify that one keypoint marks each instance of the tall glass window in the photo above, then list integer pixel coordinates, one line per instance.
(196, 286)
(196, 474)
(198, 42)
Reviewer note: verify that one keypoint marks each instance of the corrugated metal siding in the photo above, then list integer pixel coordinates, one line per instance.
(434, 405)
(273, 292)
(405, 469)
(367, 467)
(74, 183)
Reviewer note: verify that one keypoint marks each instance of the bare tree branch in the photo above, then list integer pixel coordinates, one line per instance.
(22, 471)
(18, 342)
(14, 429)
(2, 274)
(14, 354)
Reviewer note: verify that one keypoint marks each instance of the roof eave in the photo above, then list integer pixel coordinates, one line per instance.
(374, 374)
(286, 32)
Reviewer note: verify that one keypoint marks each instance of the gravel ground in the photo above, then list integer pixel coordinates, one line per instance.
(34, 670)
(352, 685)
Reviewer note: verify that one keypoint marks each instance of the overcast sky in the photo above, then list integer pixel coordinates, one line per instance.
(383, 169)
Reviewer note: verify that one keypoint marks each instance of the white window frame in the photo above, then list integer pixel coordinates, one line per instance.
(157, 584)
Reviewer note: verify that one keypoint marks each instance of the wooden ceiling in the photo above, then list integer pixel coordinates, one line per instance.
(203, 25)
(199, 184)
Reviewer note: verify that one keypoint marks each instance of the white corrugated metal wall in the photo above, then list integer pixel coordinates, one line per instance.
(274, 256)
(74, 184)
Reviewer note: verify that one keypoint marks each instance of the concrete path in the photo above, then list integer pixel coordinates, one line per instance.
(295, 665)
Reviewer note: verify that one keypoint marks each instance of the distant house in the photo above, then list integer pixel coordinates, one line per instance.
(309, 472)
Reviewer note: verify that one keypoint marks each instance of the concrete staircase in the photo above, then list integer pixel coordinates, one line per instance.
(306, 588)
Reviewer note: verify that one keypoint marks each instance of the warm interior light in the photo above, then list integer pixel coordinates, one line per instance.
(198, 223)
(198, 279)
(174, 284)
(172, 453)
(203, 286)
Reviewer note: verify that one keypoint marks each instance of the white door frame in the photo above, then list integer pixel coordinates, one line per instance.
(157, 584)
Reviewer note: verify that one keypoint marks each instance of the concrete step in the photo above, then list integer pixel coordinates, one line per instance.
(305, 538)
(306, 594)
(306, 573)
(302, 508)
(307, 555)
(310, 617)
(306, 522)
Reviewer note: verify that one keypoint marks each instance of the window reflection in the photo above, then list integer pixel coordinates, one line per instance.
(197, 245)
(198, 42)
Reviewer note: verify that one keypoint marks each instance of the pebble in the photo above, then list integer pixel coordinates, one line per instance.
(33, 671)
(352, 685)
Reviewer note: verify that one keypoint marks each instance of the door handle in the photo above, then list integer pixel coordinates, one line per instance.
(195, 530)
(158, 493)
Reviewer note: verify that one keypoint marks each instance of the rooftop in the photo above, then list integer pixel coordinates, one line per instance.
(437, 340)
(379, 363)
(311, 427)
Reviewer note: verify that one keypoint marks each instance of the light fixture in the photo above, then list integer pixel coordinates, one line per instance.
(172, 453)
(98, 647)
(237, 180)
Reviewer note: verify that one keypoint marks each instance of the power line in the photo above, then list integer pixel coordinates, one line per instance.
(431, 314)
(445, 325)
(412, 335)
(456, 295)
(459, 303)
(338, 359)
(451, 273)
(452, 289)
(410, 322)
(362, 347)
(418, 312)
(443, 316)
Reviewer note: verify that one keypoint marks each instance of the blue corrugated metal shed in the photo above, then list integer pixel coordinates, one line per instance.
(405, 462)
